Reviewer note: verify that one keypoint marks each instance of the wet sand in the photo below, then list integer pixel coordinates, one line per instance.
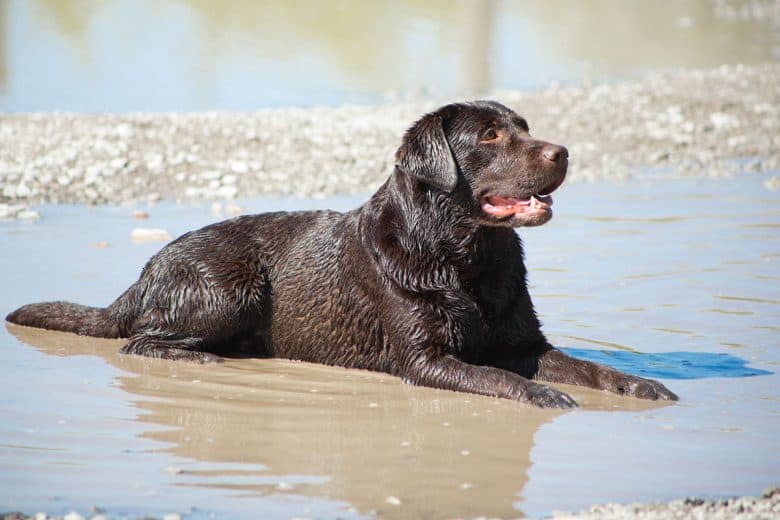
(694, 122)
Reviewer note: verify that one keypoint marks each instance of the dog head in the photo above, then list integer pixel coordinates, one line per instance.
(486, 149)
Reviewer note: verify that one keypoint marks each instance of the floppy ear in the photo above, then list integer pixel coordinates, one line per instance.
(426, 154)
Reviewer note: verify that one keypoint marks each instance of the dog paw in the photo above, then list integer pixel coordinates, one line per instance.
(206, 357)
(643, 388)
(142, 346)
(545, 396)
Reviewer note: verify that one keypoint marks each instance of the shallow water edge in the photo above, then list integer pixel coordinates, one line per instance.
(684, 290)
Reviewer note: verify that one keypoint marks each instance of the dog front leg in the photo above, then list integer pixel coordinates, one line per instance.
(450, 373)
(557, 367)
(550, 364)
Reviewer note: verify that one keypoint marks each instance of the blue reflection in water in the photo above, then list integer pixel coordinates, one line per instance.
(671, 365)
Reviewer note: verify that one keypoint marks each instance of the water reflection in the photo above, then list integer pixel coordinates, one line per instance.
(673, 365)
(621, 38)
(258, 428)
(122, 55)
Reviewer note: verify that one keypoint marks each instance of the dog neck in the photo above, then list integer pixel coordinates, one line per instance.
(410, 227)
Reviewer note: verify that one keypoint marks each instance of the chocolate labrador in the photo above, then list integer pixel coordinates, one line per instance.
(425, 281)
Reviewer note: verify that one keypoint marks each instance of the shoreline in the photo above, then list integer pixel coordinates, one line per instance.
(715, 122)
(762, 507)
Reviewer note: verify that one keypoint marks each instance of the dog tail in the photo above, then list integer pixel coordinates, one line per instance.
(67, 317)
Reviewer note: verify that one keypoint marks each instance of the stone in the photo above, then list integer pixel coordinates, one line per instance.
(150, 235)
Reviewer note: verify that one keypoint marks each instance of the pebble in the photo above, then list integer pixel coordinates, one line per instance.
(226, 192)
(150, 235)
(22, 191)
(17, 211)
(239, 167)
(692, 122)
(765, 507)
(234, 210)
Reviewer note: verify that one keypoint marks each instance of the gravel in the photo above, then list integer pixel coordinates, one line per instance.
(738, 508)
(691, 122)
(765, 507)
(746, 10)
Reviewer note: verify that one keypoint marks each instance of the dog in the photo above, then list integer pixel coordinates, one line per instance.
(426, 281)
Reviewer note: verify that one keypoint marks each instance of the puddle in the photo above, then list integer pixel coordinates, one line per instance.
(85, 427)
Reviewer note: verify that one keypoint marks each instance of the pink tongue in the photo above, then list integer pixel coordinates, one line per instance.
(504, 206)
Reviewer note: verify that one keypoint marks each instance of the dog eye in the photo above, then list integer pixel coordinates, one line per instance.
(489, 135)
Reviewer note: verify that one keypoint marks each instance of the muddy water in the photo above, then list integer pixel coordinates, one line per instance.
(670, 279)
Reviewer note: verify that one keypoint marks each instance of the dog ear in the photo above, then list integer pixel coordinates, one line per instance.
(426, 154)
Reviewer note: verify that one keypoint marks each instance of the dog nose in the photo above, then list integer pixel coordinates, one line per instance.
(555, 153)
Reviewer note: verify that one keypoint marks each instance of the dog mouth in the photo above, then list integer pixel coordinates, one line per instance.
(499, 206)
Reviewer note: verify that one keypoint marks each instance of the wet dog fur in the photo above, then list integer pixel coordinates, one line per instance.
(425, 281)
